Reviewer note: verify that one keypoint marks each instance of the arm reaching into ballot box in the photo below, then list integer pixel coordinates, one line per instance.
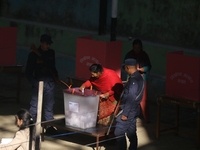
(110, 85)
(82, 87)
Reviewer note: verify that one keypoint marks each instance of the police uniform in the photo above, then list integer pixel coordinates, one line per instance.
(36, 71)
(133, 93)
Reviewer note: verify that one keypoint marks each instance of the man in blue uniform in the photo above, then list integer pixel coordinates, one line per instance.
(41, 69)
(130, 106)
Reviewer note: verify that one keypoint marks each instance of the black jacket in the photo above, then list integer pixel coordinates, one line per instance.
(36, 70)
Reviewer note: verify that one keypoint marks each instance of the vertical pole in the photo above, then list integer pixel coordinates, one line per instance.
(39, 115)
(102, 17)
(113, 20)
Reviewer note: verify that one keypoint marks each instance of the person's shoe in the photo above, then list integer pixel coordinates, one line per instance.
(51, 130)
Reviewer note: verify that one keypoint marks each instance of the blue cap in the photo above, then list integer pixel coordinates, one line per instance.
(46, 38)
(130, 62)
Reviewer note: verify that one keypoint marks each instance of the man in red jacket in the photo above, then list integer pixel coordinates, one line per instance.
(110, 85)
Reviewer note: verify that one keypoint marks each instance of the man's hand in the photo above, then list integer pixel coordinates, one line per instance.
(124, 118)
(140, 69)
(82, 87)
(106, 95)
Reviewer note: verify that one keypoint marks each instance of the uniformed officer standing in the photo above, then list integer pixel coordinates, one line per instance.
(130, 106)
(41, 69)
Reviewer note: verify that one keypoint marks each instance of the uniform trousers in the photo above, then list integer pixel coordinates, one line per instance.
(128, 127)
(48, 101)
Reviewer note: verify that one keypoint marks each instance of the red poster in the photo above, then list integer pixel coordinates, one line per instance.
(182, 76)
(8, 42)
(89, 51)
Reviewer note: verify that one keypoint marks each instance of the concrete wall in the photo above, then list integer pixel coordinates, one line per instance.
(65, 41)
(30, 32)
(70, 13)
(172, 22)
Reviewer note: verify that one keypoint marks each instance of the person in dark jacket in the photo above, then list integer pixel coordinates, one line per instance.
(42, 68)
(130, 106)
(144, 66)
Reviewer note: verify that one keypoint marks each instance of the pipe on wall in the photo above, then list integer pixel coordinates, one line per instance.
(113, 20)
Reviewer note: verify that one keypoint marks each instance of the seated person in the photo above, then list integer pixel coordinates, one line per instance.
(110, 85)
(26, 133)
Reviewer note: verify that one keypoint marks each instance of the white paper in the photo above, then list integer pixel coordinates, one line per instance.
(73, 107)
(6, 140)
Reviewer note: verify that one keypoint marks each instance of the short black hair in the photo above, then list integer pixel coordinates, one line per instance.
(96, 68)
(137, 41)
(46, 38)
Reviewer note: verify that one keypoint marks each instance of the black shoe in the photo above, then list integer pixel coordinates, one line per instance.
(50, 130)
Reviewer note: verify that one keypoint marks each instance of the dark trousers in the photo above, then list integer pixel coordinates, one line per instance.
(48, 101)
(128, 127)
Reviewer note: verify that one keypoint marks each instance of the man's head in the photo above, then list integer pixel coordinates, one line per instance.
(130, 65)
(96, 70)
(137, 46)
(45, 42)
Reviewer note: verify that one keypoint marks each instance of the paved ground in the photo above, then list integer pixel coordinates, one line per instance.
(146, 132)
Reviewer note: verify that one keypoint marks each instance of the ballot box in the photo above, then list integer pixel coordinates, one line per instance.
(183, 76)
(8, 43)
(81, 107)
(89, 51)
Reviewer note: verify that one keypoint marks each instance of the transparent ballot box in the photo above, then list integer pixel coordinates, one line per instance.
(81, 107)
